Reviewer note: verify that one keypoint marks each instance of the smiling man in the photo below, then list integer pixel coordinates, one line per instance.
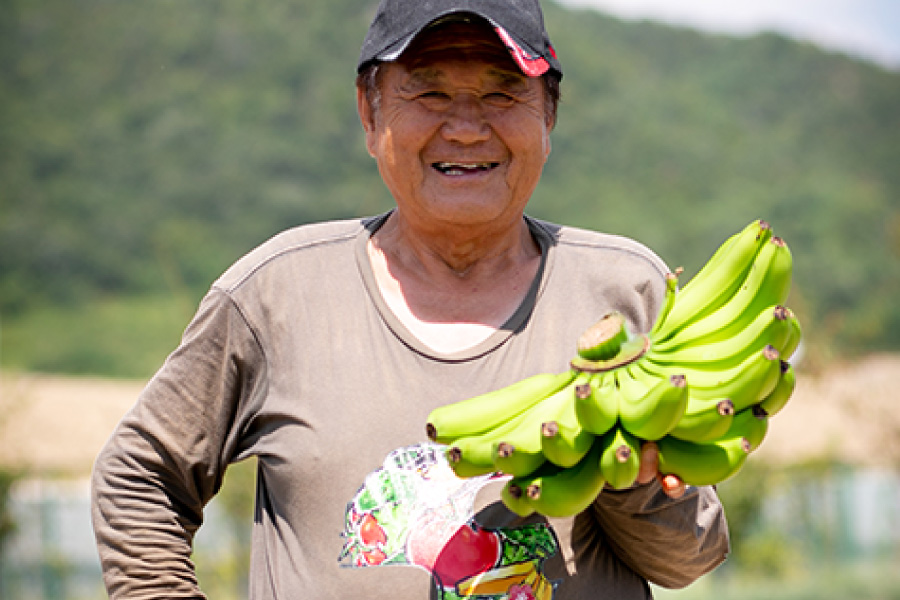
(322, 352)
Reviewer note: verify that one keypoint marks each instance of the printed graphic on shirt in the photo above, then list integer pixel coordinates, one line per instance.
(415, 511)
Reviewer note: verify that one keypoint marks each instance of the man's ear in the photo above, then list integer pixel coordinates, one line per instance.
(366, 117)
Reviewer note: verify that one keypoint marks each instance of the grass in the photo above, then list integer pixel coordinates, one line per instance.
(111, 337)
(861, 580)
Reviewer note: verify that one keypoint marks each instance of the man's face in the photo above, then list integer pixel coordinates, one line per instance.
(460, 135)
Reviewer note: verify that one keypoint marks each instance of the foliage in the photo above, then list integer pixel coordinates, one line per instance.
(144, 146)
(225, 575)
(791, 539)
(877, 580)
(7, 522)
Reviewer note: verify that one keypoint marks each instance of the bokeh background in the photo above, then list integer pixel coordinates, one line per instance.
(144, 146)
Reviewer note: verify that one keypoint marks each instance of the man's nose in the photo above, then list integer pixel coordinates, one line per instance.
(466, 120)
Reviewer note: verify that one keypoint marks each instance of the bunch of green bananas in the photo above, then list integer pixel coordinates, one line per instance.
(702, 384)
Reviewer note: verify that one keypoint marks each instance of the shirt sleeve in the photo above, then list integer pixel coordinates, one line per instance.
(166, 458)
(670, 542)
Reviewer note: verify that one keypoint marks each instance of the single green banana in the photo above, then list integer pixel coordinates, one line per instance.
(597, 403)
(515, 498)
(745, 384)
(746, 388)
(603, 339)
(771, 326)
(767, 283)
(565, 492)
(793, 341)
(784, 389)
(620, 459)
(717, 281)
(564, 441)
(650, 406)
(486, 411)
(476, 454)
(752, 424)
(469, 457)
(668, 303)
(702, 464)
(519, 450)
(704, 420)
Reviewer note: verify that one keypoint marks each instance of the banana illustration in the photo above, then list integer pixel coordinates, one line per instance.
(771, 326)
(597, 403)
(767, 283)
(778, 397)
(603, 339)
(620, 458)
(498, 580)
(562, 492)
(564, 441)
(650, 406)
(717, 281)
(704, 420)
(702, 464)
(486, 411)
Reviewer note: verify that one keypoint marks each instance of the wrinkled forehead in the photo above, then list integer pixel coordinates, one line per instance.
(459, 38)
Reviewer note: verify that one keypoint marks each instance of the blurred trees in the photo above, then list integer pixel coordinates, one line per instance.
(144, 146)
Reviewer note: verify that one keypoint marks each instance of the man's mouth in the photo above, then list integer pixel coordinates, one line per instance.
(460, 168)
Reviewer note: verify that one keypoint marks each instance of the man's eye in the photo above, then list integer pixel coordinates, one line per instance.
(434, 96)
(499, 99)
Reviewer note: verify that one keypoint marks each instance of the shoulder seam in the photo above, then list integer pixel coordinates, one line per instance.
(336, 238)
(648, 256)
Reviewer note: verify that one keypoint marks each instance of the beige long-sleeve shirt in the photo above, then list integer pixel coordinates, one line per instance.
(293, 357)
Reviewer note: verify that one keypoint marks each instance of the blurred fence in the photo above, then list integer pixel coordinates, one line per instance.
(832, 516)
(52, 555)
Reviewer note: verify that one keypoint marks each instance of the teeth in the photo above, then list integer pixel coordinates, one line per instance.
(447, 167)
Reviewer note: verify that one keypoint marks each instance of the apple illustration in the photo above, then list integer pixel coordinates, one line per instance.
(471, 550)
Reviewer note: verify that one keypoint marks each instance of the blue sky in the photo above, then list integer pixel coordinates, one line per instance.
(866, 28)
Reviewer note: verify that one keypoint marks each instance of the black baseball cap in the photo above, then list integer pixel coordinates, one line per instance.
(518, 23)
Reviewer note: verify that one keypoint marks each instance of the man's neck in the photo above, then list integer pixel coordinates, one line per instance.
(453, 294)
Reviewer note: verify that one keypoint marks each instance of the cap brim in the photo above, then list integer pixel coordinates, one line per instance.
(528, 60)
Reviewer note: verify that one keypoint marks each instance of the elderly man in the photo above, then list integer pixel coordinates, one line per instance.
(322, 352)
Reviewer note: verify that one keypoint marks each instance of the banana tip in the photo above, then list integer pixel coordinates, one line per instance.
(725, 407)
(549, 429)
(505, 449)
(623, 453)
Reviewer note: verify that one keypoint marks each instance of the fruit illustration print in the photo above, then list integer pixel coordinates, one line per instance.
(415, 511)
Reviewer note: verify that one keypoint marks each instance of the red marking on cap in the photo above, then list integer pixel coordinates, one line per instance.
(533, 66)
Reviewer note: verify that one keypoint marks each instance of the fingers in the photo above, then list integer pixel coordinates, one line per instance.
(672, 485)
(649, 468)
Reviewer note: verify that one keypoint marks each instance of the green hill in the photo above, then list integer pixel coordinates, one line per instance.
(146, 145)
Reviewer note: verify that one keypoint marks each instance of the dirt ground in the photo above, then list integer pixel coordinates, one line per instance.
(56, 425)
